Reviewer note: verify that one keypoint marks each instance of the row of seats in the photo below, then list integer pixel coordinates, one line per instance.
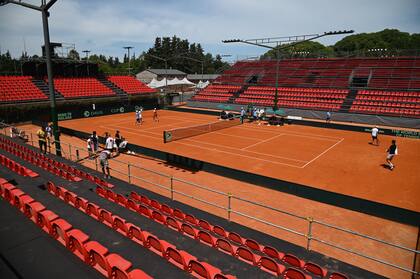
(91, 252)
(16, 167)
(210, 99)
(60, 169)
(81, 87)
(164, 249)
(385, 111)
(19, 88)
(388, 98)
(326, 72)
(228, 242)
(34, 159)
(297, 89)
(130, 85)
(216, 93)
(292, 104)
(387, 104)
(390, 93)
(153, 210)
(303, 97)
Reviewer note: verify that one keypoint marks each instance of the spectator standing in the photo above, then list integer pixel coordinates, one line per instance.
(242, 115)
(328, 118)
(95, 142)
(42, 140)
(117, 140)
(89, 147)
(109, 142)
(103, 159)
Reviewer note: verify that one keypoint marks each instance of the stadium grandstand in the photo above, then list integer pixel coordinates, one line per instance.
(288, 165)
(386, 86)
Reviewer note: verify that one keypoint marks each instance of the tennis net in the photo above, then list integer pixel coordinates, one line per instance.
(186, 132)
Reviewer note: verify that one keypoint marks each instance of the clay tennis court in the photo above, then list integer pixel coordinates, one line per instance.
(326, 161)
(333, 160)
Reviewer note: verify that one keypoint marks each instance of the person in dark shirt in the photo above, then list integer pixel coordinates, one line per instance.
(95, 142)
(391, 152)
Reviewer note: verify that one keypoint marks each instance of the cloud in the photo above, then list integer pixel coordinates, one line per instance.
(105, 26)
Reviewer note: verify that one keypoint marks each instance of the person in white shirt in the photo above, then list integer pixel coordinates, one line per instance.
(375, 139)
(89, 144)
(109, 143)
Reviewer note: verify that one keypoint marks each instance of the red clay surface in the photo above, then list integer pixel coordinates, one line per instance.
(386, 230)
(334, 160)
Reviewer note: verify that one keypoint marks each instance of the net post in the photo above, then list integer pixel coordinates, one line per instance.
(77, 155)
(96, 163)
(164, 136)
(70, 152)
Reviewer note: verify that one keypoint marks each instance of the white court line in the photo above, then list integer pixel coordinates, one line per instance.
(124, 129)
(139, 132)
(254, 152)
(242, 155)
(322, 153)
(217, 150)
(252, 145)
(236, 154)
(236, 136)
(312, 137)
(265, 129)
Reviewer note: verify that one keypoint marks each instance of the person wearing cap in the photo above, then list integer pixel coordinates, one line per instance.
(375, 139)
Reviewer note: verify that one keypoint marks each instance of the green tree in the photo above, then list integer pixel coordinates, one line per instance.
(73, 54)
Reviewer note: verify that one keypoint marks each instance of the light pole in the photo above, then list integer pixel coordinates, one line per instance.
(288, 42)
(166, 65)
(196, 60)
(43, 8)
(128, 50)
(87, 58)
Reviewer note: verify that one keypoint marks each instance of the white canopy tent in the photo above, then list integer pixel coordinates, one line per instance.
(170, 82)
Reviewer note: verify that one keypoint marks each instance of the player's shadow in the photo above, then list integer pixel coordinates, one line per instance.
(385, 166)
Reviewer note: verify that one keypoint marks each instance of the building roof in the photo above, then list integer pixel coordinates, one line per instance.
(166, 72)
(202, 77)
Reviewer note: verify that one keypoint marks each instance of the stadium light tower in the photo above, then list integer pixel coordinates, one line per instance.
(283, 43)
(87, 58)
(128, 53)
(43, 8)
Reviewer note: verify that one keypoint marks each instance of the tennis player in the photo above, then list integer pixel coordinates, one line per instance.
(391, 152)
(137, 116)
(155, 115)
(375, 132)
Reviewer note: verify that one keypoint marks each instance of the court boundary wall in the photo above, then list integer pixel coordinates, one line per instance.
(370, 119)
(314, 121)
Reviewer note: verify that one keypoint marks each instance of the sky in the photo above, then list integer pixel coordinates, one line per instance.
(105, 26)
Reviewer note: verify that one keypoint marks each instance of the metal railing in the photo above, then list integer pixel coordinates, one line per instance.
(168, 184)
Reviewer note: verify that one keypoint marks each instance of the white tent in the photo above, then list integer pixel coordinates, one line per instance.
(162, 83)
(201, 84)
